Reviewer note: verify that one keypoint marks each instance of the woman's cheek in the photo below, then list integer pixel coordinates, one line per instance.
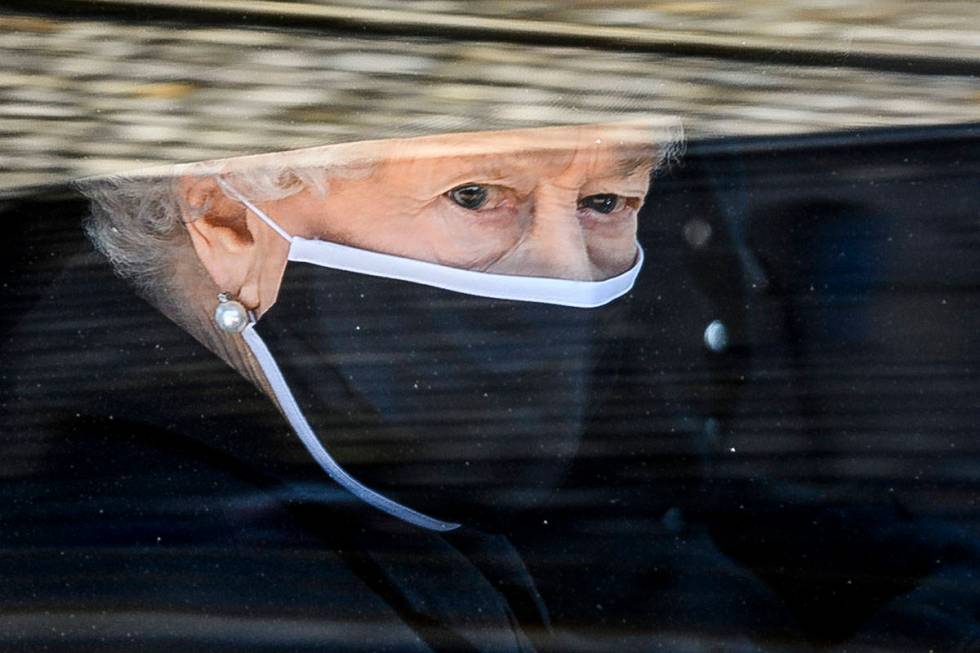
(476, 240)
(612, 246)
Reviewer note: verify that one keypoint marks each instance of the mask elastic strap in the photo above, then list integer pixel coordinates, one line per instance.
(233, 192)
(298, 421)
(305, 432)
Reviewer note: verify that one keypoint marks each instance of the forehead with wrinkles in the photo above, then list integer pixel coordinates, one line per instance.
(616, 149)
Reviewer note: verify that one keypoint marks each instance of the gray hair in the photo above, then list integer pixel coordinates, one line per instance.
(137, 222)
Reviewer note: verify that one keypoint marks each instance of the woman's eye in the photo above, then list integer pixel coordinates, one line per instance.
(605, 203)
(470, 196)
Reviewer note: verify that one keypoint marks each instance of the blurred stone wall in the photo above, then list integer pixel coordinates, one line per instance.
(950, 26)
(92, 96)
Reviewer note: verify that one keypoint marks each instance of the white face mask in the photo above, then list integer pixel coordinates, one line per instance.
(508, 288)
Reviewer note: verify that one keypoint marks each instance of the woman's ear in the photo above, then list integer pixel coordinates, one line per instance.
(226, 238)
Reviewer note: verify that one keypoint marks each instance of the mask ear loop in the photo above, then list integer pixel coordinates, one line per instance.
(305, 433)
(298, 421)
(233, 192)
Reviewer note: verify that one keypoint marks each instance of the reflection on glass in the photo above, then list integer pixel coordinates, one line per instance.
(493, 253)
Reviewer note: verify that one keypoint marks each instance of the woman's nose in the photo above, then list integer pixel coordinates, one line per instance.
(556, 240)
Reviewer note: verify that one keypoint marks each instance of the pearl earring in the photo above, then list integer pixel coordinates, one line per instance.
(230, 315)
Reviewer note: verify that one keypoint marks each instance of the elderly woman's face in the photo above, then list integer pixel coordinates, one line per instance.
(558, 202)
(554, 203)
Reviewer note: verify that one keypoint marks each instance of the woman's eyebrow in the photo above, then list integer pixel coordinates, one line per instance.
(631, 164)
(496, 165)
(491, 166)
